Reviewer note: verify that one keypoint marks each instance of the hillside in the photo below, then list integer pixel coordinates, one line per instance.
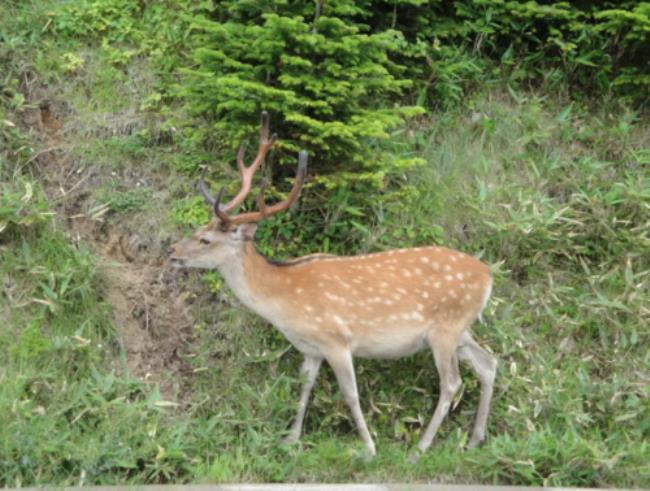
(117, 368)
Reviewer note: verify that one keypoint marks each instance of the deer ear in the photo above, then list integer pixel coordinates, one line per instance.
(246, 231)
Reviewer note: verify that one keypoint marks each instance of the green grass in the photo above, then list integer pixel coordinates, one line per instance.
(556, 195)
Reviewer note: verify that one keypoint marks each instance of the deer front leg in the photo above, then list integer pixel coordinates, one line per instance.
(341, 363)
(308, 372)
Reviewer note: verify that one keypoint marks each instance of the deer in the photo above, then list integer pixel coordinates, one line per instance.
(386, 305)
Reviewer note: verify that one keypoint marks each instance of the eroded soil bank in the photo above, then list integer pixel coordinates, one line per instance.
(151, 312)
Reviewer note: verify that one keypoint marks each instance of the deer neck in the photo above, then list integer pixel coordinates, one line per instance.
(252, 279)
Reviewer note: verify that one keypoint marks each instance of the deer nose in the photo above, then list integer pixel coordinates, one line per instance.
(170, 251)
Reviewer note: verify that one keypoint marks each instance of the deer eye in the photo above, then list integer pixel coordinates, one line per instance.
(204, 241)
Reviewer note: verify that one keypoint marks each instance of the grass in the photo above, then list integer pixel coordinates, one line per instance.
(554, 194)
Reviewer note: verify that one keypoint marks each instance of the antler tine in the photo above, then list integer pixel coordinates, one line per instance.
(247, 172)
(265, 211)
(261, 205)
(203, 189)
(264, 129)
(223, 216)
(303, 157)
(241, 153)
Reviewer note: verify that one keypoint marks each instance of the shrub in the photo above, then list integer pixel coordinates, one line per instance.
(588, 45)
(327, 80)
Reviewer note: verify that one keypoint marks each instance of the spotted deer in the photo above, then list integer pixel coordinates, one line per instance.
(383, 305)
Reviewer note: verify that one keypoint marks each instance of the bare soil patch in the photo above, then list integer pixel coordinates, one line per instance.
(151, 313)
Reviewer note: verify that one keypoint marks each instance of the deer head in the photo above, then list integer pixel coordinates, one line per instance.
(213, 244)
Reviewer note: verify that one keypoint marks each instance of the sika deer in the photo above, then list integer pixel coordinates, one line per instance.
(384, 305)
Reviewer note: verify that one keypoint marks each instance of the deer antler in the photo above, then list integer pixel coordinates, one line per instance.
(246, 174)
(264, 211)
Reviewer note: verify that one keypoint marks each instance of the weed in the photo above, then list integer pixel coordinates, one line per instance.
(130, 200)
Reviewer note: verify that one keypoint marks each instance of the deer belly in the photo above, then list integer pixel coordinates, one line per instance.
(389, 344)
(301, 343)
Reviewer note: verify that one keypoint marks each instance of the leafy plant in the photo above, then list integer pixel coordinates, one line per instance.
(21, 208)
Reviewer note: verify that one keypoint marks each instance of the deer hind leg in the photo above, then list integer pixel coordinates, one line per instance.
(308, 372)
(485, 366)
(341, 363)
(447, 365)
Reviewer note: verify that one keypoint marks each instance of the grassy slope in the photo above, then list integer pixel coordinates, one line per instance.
(556, 195)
